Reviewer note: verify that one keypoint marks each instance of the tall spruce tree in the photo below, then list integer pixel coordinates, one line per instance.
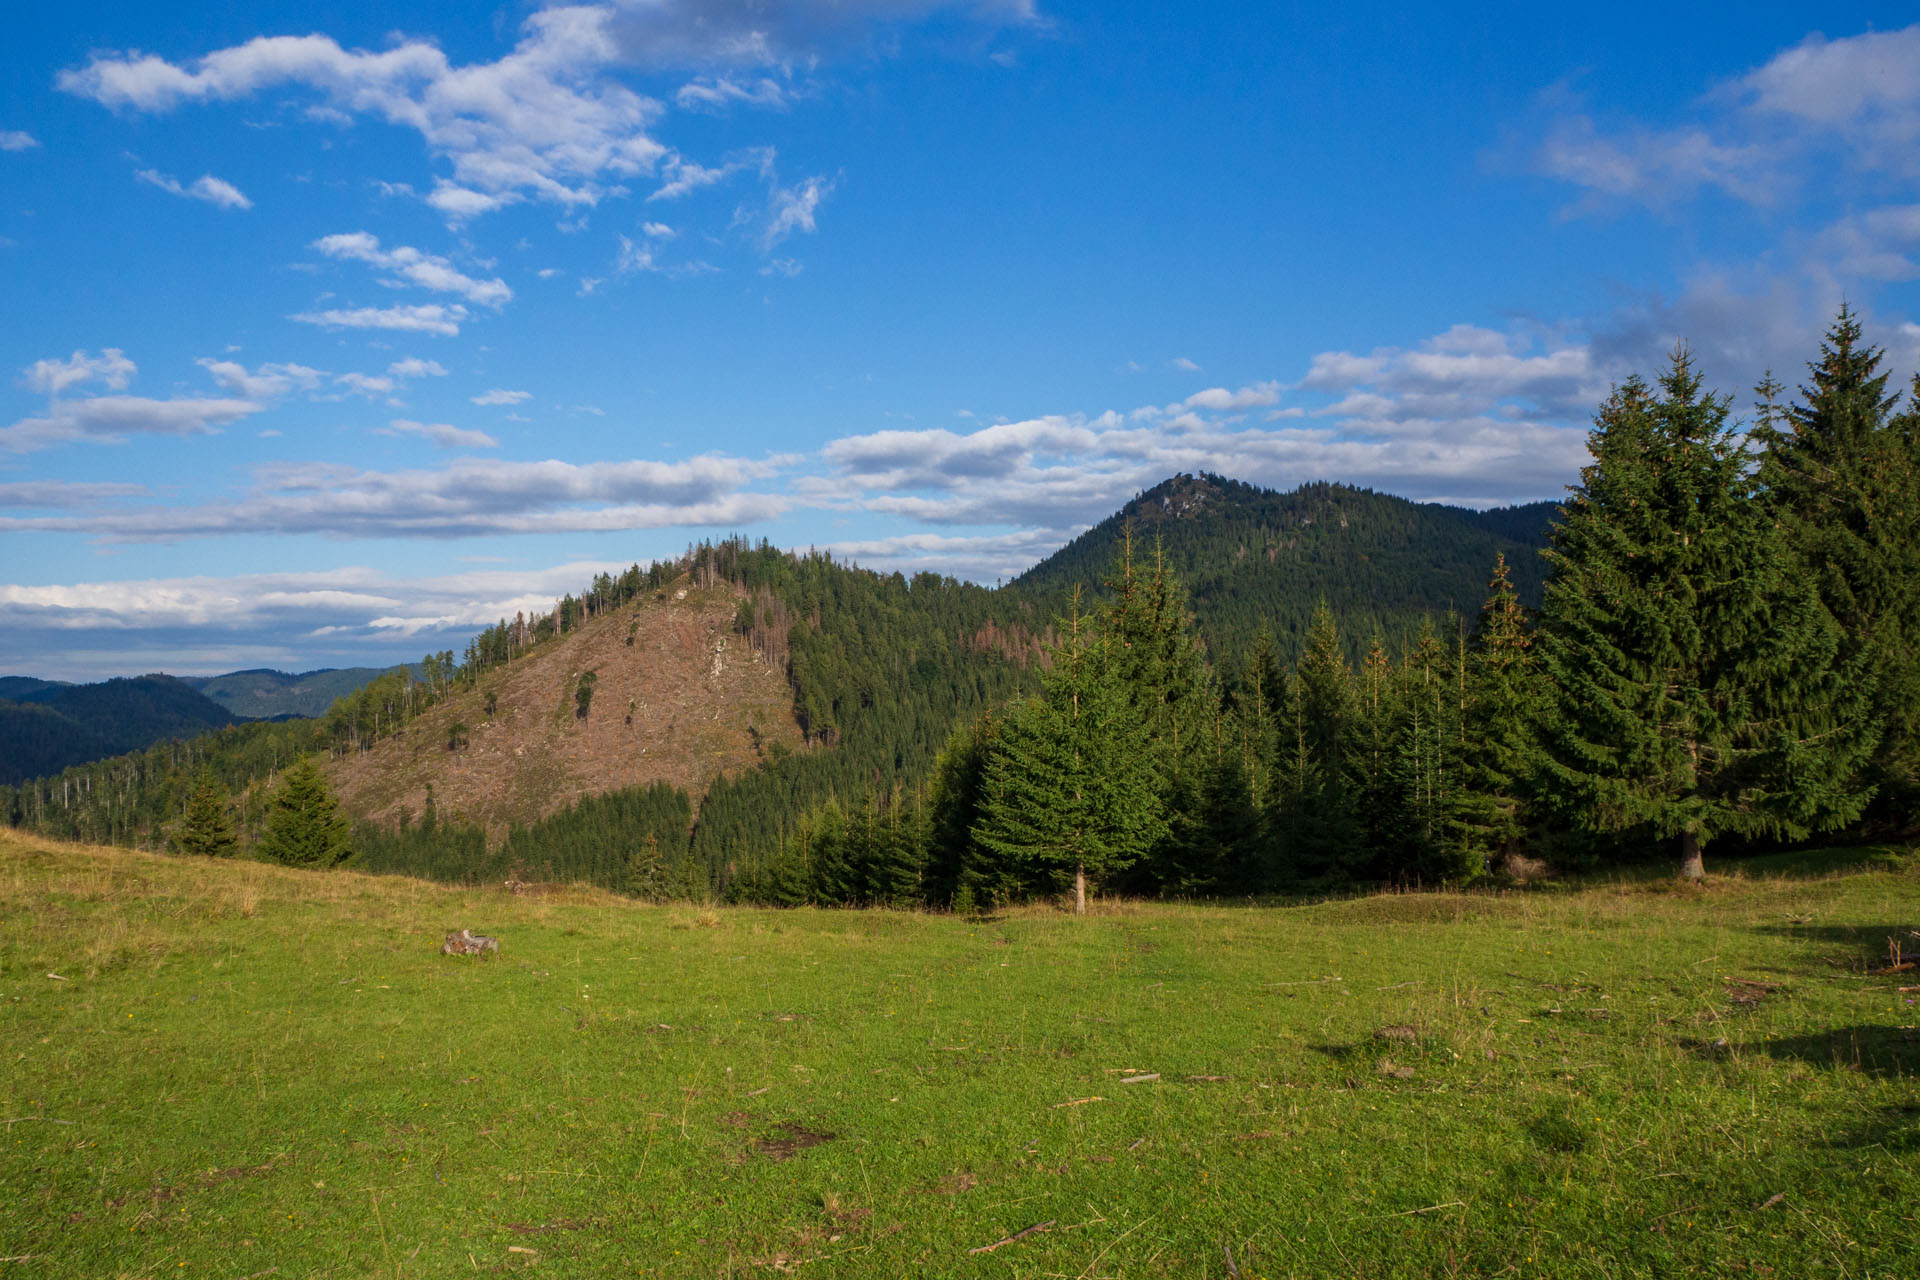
(1844, 479)
(1695, 676)
(206, 830)
(1502, 706)
(1070, 782)
(1147, 631)
(1314, 820)
(304, 825)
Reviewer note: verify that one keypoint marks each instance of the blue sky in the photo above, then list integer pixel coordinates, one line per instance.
(333, 336)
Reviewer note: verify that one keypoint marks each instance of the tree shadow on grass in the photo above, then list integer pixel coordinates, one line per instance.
(1876, 1050)
(1870, 946)
(1871, 1050)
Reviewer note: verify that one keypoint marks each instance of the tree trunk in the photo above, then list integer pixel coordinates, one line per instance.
(1080, 889)
(1692, 865)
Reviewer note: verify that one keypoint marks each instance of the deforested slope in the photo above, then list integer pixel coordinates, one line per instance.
(677, 696)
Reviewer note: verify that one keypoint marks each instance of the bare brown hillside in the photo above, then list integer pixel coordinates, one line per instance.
(685, 701)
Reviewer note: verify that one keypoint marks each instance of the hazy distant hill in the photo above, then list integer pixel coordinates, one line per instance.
(1253, 557)
(261, 694)
(13, 688)
(45, 729)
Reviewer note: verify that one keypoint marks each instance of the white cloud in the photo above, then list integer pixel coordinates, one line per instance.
(543, 122)
(51, 377)
(633, 256)
(63, 493)
(468, 497)
(658, 230)
(1184, 365)
(445, 435)
(17, 140)
(411, 266)
(350, 616)
(415, 367)
(111, 419)
(682, 176)
(792, 209)
(268, 382)
(752, 33)
(431, 318)
(716, 93)
(1758, 136)
(500, 395)
(366, 384)
(1470, 415)
(1222, 400)
(206, 187)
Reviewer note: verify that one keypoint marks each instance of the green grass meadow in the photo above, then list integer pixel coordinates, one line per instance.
(243, 1071)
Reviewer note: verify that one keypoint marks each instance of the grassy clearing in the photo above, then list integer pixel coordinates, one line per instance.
(243, 1068)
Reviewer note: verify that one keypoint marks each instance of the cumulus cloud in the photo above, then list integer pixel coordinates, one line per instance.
(267, 382)
(351, 616)
(109, 419)
(1183, 365)
(1757, 136)
(206, 187)
(1470, 415)
(415, 367)
(500, 395)
(17, 140)
(410, 266)
(433, 318)
(442, 434)
(366, 384)
(112, 419)
(544, 122)
(51, 377)
(468, 497)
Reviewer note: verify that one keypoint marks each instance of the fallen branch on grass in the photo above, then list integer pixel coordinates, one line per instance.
(1141, 1079)
(1078, 1102)
(1033, 1230)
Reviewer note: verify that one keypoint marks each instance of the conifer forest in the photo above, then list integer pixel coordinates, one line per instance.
(1707, 648)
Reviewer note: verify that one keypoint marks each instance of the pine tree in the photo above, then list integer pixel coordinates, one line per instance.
(1844, 479)
(647, 871)
(1070, 782)
(1696, 687)
(304, 824)
(1502, 703)
(207, 829)
(1316, 830)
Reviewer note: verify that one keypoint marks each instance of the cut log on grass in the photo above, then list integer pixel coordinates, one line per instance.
(1033, 1230)
(464, 942)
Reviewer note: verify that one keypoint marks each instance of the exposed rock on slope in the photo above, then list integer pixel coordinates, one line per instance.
(678, 697)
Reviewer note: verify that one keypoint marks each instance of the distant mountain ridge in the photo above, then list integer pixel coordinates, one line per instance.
(263, 694)
(1253, 558)
(50, 727)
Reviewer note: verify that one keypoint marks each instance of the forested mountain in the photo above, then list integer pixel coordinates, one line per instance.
(15, 687)
(46, 727)
(1255, 559)
(1220, 690)
(261, 694)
